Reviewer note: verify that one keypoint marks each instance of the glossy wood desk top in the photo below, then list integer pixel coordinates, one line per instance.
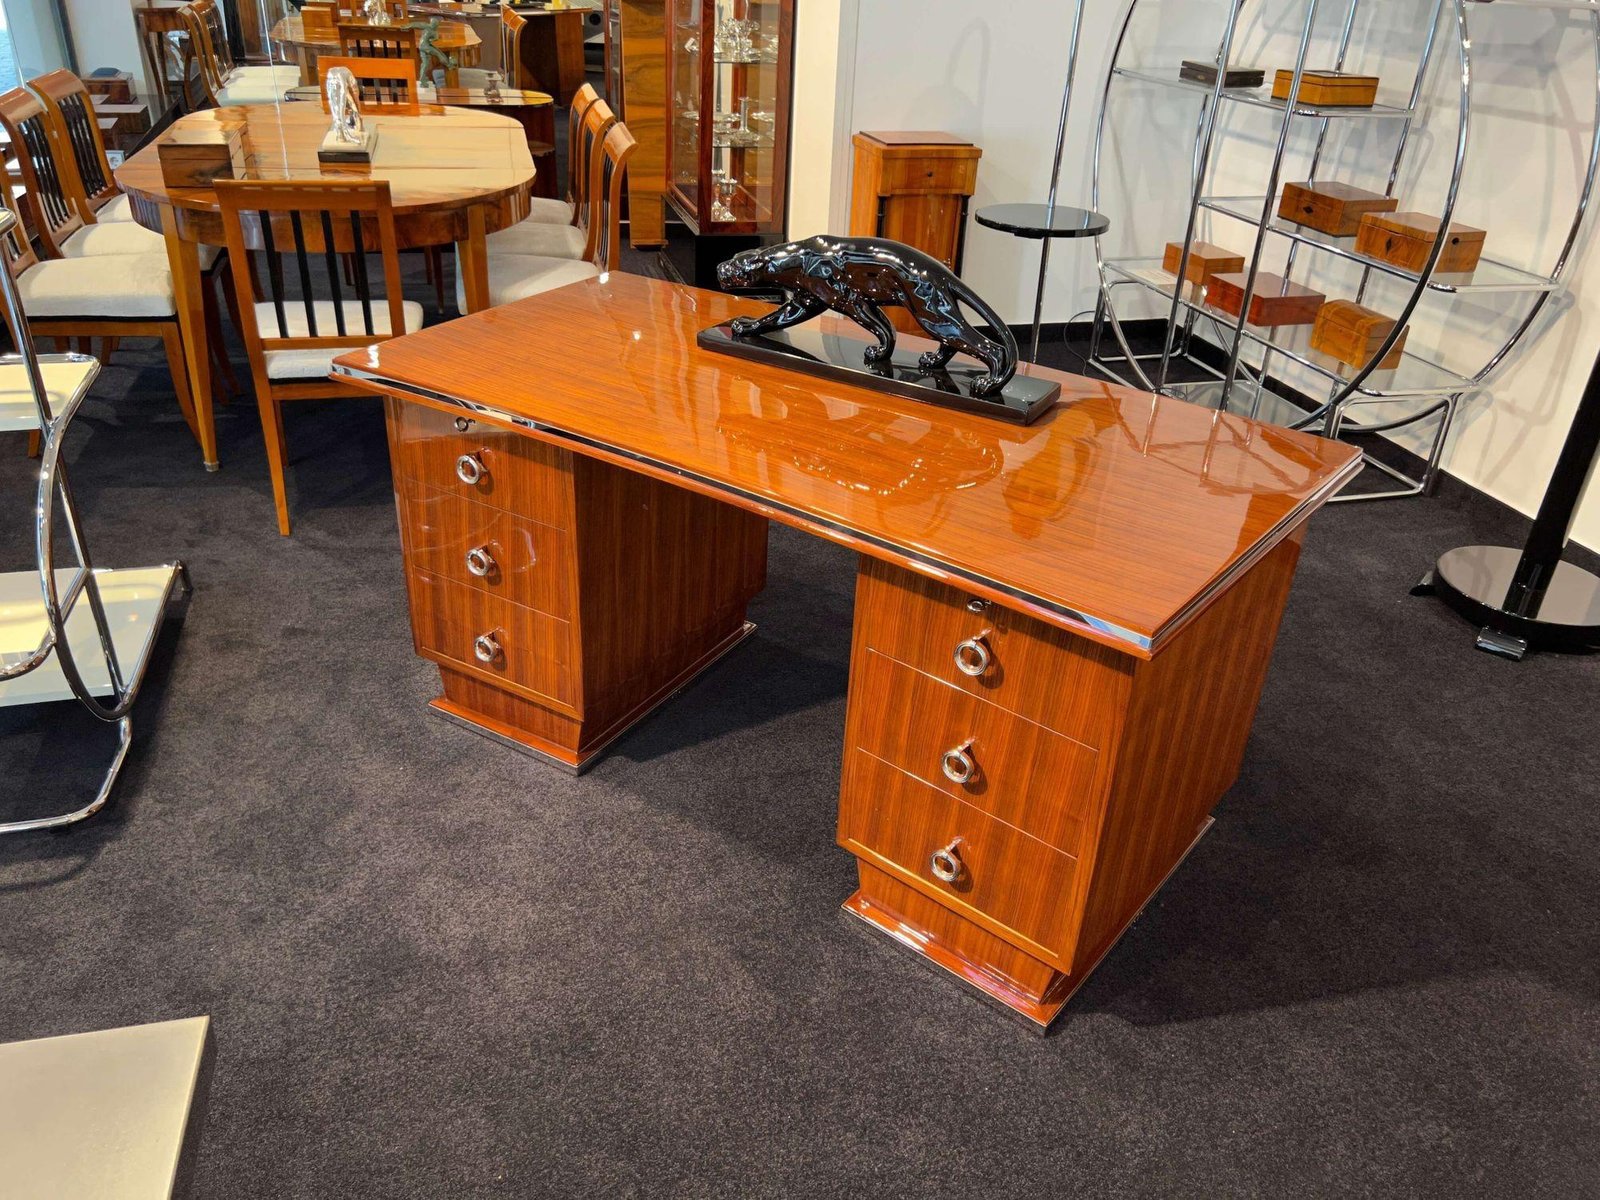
(444, 158)
(1119, 515)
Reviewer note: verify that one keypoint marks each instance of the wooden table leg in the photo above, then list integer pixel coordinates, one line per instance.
(189, 290)
(473, 255)
(308, 66)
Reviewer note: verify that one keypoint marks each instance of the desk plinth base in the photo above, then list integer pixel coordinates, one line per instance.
(539, 733)
(998, 972)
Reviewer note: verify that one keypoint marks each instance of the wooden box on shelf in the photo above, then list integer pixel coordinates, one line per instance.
(1205, 261)
(1336, 208)
(1276, 300)
(1406, 240)
(1205, 72)
(194, 157)
(1352, 334)
(1329, 89)
(115, 87)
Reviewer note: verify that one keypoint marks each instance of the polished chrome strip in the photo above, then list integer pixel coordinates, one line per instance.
(957, 574)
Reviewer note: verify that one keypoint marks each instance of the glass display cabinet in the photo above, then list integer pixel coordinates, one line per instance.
(728, 88)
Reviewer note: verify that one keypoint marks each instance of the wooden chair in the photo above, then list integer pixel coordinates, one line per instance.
(75, 132)
(383, 85)
(355, 10)
(518, 276)
(511, 26)
(57, 204)
(360, 40)
(573, 236)
(291, 336)
(110, 296)
(220, 84)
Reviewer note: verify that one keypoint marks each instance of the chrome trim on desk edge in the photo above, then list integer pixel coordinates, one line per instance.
(956, 574)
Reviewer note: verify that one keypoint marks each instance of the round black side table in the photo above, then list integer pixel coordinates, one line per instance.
(1043, 223)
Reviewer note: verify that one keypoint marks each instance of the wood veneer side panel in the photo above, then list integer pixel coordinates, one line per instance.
(644, 90)
(664, 577)
(1188, 721)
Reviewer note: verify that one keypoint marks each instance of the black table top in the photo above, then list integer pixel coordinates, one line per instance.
(1029, 221)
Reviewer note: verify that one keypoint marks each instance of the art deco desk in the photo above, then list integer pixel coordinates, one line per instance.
(1061, 631)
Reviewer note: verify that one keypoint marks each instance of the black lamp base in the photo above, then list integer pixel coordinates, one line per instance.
(1476, 581)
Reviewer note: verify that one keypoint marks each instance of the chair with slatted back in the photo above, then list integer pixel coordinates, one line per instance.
(73, 127)
(357, 39)
(356, 10)
(383, 85)
(512, 24)
(56, 202)
(105, 296)
(518, 276)
(305, 229)
(572, 238)
(223, 85)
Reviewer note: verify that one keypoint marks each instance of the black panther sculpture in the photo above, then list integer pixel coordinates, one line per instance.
(859, 277)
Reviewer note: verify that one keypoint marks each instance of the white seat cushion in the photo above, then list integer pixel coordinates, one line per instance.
(315, 364)
(250, 93)
(539, 237)
(126, 237)
(518, 276)
(551, 212)
(278, 77)
(107, 285)
(119, 209)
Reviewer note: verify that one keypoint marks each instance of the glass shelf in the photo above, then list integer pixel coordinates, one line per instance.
(1490, 276)
(1262, 97)
(1415, 376)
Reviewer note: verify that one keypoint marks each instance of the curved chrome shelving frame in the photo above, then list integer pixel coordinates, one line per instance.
(83, 582)
(1433, 391)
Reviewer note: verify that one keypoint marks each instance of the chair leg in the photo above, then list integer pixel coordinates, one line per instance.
(172, 342)
(219, 348)
(108, 347)
(436, 269)
(277, 450)
(35, 441)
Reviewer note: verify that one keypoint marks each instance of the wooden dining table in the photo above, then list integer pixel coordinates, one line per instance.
(455, 175)
(456, 38)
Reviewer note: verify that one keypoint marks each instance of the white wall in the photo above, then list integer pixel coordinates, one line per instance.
(995, 73)
(104, 35)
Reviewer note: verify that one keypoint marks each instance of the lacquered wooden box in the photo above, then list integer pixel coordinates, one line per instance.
(1335, 208)
(1329, 89)
(1406, 240)
(1205, 260)
(194, 157)
(1276, 301)
(1352, 334)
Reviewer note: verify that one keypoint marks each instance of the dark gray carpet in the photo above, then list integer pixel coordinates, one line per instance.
(436, 969)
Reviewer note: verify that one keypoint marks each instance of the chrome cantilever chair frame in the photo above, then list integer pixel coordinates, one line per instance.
(59, 602)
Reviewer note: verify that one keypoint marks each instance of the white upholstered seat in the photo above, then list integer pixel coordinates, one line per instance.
(539, 237)
(119, 209)
(107, 285)
(312, 363)
(281, 77)
(518, 276)
(250, 92)
(126, 237)
(550, 212)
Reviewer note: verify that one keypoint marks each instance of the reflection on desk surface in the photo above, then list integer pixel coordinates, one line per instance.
(1118, 506)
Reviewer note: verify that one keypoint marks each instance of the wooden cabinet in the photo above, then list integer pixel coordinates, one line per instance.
(914, 188)
(636, 89)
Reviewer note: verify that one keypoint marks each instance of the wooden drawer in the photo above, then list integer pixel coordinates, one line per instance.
(534, 650)
(514, 472)
(1008, 766)
(456, 539)
(1066, 683)
(953, 176)
(1013, 884)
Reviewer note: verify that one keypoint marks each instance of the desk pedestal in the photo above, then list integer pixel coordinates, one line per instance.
(1015, 793)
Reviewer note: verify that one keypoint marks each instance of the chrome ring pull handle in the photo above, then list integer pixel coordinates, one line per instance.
(958, 764)
(470, 469)
(946, 864)
(973, 657)
(480, 562)
(486, 648)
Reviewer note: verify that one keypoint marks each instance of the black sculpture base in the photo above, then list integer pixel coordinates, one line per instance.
(814, 351)
(1476, 581)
